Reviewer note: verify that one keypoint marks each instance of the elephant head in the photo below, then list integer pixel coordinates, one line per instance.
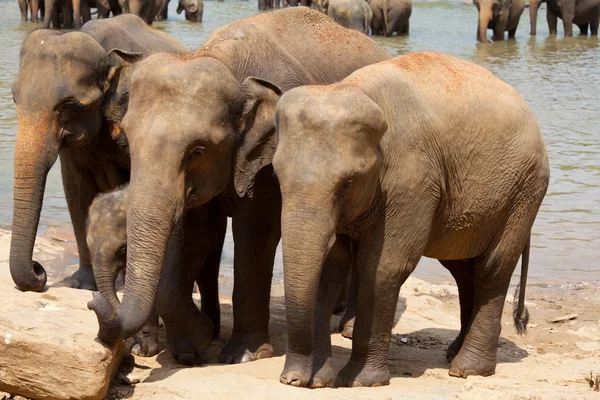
(59, 93)
(327, 162)
(193, 9)
(489, 12)
(191, 126)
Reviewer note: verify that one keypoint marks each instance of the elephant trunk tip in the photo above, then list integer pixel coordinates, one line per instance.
(34, 281)
(110, 330)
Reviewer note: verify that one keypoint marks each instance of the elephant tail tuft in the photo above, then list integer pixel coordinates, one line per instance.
(520, 311)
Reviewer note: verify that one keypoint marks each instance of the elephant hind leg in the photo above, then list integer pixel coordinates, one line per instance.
(462, 271)
(583, 29)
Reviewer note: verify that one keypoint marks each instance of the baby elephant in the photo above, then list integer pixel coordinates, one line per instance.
(193, 9)
(421, 155)
(352, 14)
(390, 16)
(107, 240)
(500, 16)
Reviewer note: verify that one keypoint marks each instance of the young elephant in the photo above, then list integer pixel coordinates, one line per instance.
(500, 16)
(422, 155)
(390, 16)
(107, 240)
(352, 14)
(193, 9)
(585, 14)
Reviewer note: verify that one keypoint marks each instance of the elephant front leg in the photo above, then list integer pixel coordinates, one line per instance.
(35, 9)
(594, 22)
(552, 20)
(256, 233)
(80, 190)
(347, 322)
(23, 7)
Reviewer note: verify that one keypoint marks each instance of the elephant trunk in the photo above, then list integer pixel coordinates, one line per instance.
(534, 5)
(106, 276)
(308, 233)
(485, 16)
(48, 9)
(36, 151)
(155, 203)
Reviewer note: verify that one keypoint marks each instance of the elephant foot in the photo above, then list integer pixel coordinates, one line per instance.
(454, 348)
(325, 377)
(146, 341)
(357, 374)
(347, 328)
(242, 348)
(463, 366)
(297, 371)
(190, 343)
(83, 278)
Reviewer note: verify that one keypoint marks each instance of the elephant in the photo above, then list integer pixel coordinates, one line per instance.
(352, 14)
(145, 9)
(59, 13)
(71, 111)
(221, 143)
(390, 16)
(35, 7)
(163, 14)
(193, 9)
(584, 14)
(500, 16)
(106, 7)
(107, 240)
(410, 158)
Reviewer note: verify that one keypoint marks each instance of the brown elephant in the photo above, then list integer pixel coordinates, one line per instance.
(214, 136)
(585, 14)
(500, 16)
(70, 110)
(193, 9)
(390, 16)
(422, 155)
(145, 9)
(352, 14)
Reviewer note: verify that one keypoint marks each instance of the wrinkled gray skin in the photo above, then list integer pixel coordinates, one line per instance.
(193, 9)
(423, 155)
(107, 240)
(352, 14)
(390, 16)
(583, 13)
(70, 110)
(145, 9)
(500, 16)
(212, 126)
(34, 8)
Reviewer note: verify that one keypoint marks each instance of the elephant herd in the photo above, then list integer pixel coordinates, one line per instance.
(298, 129)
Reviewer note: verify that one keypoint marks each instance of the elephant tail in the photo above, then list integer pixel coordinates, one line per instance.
(520, 311)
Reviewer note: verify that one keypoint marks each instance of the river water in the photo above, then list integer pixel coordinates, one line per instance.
(557, 76)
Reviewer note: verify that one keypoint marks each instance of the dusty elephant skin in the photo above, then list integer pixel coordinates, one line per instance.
(390, 16)
(213, 129)
(70, 111)
(186, 261)
(500, 16)
(585, 14)
(422, 155)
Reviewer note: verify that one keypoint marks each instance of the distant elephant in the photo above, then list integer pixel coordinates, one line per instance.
(390, 16)
(583, 13)
(72, 112)
(500, 16)
(411, 158)
(352, 14)
(193, 9)
(107, 240)
(59, 13)
(34, 7)
(145, 9)
(216, 136)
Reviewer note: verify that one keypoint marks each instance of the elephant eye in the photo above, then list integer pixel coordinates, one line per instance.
(347, 185)
(198, 150)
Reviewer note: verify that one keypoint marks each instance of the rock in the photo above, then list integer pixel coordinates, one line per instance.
(48, 345)
(564, 318)
(588, 346)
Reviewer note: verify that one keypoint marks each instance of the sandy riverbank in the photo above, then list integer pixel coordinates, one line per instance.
(550, 362)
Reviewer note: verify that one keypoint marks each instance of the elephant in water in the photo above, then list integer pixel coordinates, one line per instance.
(390, 16)
(583, 13)
(500, 16)
(214, 132)
(73, 110)
(193, 9)
(352, 14)
(422, 155)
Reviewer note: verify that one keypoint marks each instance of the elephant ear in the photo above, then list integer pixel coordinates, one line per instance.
(257, 141)
(119, 59)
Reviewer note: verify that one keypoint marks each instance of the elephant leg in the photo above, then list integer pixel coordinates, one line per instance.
(67, 15)
(146, 340)
(405, 29)
(86, 12)
(462, 271)
(552, 20)
(256, 233)
(35, 9)
(333, 278)
(583, 29)
(77, 12)
(568, 24)
(23, 7)
(80, 190)
(189, 331)
(499, 30)
(594, 22)
(347, 322)
(208, 280)
(512, 33)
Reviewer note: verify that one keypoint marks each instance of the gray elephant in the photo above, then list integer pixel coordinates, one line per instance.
(35, 8)
(422, 155)
(145, 9)
(193, 9)
(390, 16)
(352, 14)
(222, 143)
(500, 16)
(71, 110)
(107, 240)
(585, 14)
